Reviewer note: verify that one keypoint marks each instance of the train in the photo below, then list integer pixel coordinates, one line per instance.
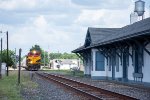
(33, 60)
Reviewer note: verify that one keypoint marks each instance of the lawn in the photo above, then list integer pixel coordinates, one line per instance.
(67, 72)
(9, 88)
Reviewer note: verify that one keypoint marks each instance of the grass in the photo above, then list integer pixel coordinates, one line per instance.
(67, 72)
(10, 90)
(26, 81)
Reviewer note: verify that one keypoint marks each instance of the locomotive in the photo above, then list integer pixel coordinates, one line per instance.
(33, 60)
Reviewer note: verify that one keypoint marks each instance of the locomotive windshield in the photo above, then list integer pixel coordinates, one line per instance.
(33, 54)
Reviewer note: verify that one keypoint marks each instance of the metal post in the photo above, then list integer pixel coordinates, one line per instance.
(15, 59)
(142, 17)
(44, 59)
(130, 18)
(1, 60)
(1, 46)
(48, 60)
(19, 66)
(48, 57)
(79, 64)
(7, 52)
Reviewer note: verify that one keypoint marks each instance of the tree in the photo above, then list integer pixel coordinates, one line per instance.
(10, 57)
(36, 47)
(69, 56)
(62, 56)
(55, 56)
(44, 56)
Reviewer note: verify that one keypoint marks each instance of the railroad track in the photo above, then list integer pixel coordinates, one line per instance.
(91, 92)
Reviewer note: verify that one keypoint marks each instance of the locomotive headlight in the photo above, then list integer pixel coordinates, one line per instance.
(34, 52)
(31, 62)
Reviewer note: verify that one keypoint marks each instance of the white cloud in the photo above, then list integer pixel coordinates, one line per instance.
(39, 31)
(40, 22)
(104, 18)
(89, 17)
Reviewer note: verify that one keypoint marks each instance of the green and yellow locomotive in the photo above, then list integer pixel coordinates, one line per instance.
(33, 60)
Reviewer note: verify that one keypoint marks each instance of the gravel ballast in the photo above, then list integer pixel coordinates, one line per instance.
(47, 90)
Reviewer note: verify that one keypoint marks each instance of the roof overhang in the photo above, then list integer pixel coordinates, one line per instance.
(82, 49)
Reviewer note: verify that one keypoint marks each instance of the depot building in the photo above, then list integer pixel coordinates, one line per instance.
(117, 53)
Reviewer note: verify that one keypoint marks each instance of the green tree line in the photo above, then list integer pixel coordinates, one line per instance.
(44, 55)
(62, 56)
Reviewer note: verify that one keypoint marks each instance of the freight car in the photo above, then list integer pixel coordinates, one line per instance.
(33, 60)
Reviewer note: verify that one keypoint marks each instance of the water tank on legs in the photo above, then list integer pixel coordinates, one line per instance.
(139, 7)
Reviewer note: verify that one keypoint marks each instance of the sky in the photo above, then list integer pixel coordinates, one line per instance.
(59, 25)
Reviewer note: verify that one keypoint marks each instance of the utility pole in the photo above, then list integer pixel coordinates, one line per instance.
(48, 60)
(7, 52)
(19, 66)
(79, 63)
(15, 59)
(48, 57)
(1, 61)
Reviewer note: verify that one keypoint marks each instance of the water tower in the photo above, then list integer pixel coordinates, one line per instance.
(140, 8)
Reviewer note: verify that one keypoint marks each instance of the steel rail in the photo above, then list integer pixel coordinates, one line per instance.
(85, 89)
